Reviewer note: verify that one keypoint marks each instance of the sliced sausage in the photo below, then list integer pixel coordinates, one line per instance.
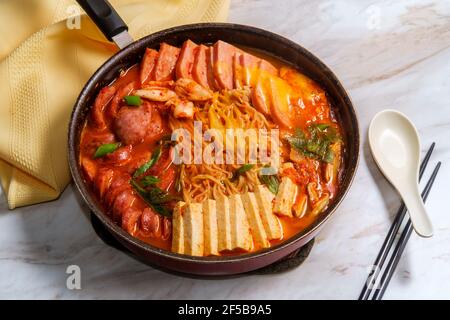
(185, 62)
(119, 157)
(95, 139)
(123, 201)
(130, 219)
(103, 98)
(163, 163)
(166, 228)
(103, 180)
(119, 183)
(167, 179)
(89, 168)
(138, 160)
(123, 91)
(165, 65)
(223, 64)
(151, 223)
(132, 123)
(147, 65)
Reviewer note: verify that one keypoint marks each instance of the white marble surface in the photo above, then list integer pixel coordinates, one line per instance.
(388, 54)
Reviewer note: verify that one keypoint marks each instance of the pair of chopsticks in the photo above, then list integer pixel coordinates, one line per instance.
(377, 280)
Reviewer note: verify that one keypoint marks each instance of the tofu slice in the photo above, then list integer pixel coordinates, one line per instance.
(177, 228)
(270, 221)
(210, 228)
(193, 230)
(223, 223)
(285, 197)
(241, 237)
(254, 219)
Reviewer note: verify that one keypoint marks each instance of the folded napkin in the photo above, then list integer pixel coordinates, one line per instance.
(45, 59)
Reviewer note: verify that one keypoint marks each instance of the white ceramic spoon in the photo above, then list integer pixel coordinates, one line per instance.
(395, 146)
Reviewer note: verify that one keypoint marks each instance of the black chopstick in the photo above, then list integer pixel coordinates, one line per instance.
(401, 244)
(390, 237)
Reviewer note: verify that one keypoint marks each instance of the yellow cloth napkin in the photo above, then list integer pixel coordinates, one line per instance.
(44, 62)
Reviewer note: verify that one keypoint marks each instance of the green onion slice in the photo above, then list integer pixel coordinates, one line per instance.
(133, 100)
(104, 149)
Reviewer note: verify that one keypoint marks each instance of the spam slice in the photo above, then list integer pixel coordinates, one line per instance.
(147, 65)
(267, 68)
(270, 221)
(186, 59)
(223, 64)
(240, 230)
(178, 228)
(210, 228)
(249, 64)
(200, 69)
(254, 219)
(281, 108)
(193, 230)
(285, 197)
(223, 223)
(261, 96)
(238, 72)
(165, 65)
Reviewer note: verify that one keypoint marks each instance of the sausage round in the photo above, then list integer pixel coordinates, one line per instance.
(150, 223)
(132, 123)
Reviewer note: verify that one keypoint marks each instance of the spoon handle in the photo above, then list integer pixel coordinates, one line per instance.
(417, 212)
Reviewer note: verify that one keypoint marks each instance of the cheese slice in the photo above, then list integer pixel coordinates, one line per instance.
(223, 223)
(193, 230)
(270, 221)
(254, 219)
(285, 197)
(210, 228)
(177, 228)
(240, 230)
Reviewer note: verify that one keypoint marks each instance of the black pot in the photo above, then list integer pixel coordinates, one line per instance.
(269, 44)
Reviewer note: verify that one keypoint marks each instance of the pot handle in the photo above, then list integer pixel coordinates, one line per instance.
(107, 20)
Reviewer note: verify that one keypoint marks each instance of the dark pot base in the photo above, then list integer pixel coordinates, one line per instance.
(285, 264)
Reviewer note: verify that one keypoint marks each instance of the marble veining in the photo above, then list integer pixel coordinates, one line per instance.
(388, 54)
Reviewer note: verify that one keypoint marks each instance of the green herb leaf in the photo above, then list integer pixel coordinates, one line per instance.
(271, 182)
(316, 142)
(241, 170)
(155, 198)
(133, 100)
(154, 158)
(104, 149)
(322, 126)
(149, 180)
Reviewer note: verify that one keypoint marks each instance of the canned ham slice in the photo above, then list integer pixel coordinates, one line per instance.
(165, 65)
(185, 62)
